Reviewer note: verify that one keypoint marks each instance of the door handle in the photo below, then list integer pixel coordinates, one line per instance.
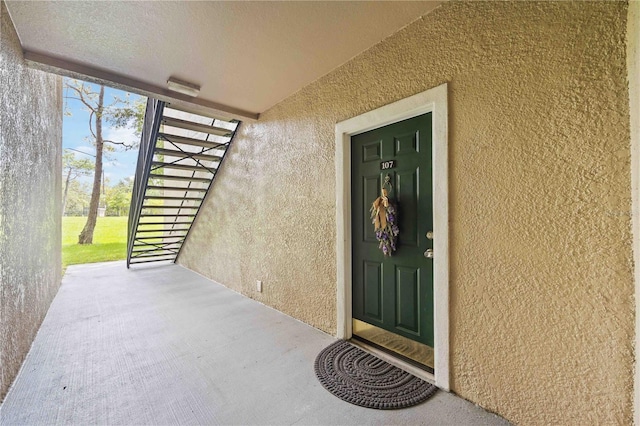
(429, 253)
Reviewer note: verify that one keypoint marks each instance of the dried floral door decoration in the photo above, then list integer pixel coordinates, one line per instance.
(385, 220)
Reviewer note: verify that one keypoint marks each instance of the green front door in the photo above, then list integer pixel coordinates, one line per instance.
(394, 293)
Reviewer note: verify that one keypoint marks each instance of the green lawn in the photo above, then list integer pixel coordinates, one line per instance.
(109, 240)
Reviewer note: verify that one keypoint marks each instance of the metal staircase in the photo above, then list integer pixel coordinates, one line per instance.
(180, 153)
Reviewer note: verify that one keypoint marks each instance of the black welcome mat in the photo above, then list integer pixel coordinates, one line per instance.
(360, 378)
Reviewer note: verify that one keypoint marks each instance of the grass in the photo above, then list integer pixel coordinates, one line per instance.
(109, 240)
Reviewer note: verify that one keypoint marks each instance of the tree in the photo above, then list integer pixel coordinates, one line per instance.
(119, 113)
(73, 168)
(78, 197)
(119, 197)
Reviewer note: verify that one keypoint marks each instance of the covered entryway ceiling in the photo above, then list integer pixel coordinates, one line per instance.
(246, 56)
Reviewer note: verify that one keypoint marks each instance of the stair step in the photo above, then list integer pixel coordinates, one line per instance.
(170, 256)
(162, 165)
(147, 253)
(166, 197)
(145, 236)
(170, 207)
(141, 253)
(164, 223)
(194, 111)
(167, 215)
(162, 230)
(131, 262)
(147, 247)
(191, 141)
(159, 250)
(177, 188)
(181, 178)
(181, 154)
(162, 237)
(197, 127)
(156, 258)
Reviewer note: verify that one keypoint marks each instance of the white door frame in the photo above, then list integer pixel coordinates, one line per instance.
(434, 101)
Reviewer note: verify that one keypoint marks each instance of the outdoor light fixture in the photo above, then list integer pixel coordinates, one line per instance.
(183, 87)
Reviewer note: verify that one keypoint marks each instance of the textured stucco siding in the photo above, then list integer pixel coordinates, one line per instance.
(633, 71)
(30, 196)
(542, 320)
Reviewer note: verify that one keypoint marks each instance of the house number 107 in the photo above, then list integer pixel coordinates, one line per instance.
(385, 165)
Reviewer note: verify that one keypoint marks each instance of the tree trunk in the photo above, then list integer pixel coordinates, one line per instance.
(86, 236)
(66, 190)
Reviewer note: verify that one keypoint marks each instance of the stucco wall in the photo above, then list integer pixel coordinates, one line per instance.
(542, 319)
(633, 71)
(30, 194)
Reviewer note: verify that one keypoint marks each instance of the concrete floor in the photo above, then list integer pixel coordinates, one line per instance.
(163, 345)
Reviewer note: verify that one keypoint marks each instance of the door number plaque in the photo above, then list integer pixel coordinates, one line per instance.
(385, 165)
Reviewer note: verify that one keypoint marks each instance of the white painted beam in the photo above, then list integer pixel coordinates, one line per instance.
(95, 75)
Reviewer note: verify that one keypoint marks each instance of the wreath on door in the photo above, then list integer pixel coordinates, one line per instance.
(385, 220)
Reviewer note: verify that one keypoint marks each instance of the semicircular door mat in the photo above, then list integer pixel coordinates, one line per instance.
(362, 379)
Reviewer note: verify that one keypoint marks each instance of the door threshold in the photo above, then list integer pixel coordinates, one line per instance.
(395, 361)
(395, 354)
(409, 350)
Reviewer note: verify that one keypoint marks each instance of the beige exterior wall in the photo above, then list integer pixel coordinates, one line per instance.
(633, 72)
(542, 312)
(30, 198)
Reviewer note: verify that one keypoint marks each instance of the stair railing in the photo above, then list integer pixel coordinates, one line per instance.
(150, 129)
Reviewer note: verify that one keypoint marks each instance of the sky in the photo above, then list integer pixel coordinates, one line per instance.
(118, 165)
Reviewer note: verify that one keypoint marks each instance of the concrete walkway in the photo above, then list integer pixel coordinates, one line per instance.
(163, 345)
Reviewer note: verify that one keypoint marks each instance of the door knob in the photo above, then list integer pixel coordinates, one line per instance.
(428, 254)
(430, 235)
